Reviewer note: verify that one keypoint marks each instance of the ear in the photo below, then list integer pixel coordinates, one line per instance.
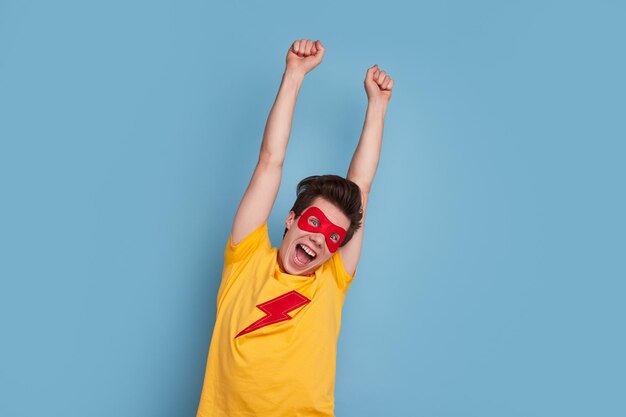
(290, 218)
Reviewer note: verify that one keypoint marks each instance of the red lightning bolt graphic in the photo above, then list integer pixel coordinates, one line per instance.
(277, 310)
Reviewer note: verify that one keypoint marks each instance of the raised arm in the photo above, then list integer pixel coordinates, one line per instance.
(258, 200)
(364, 163)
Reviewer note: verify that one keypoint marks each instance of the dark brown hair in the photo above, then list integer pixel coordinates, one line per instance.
(341, 192)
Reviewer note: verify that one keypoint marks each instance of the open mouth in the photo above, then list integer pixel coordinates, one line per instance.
(304, 254)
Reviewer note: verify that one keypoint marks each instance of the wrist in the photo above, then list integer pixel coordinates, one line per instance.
(376, 103)
(377, 107)
(293, 75)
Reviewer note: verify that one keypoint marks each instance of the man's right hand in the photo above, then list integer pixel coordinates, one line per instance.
(304, 55)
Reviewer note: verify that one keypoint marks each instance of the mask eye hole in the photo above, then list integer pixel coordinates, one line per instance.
(334, 237)
(313, 221)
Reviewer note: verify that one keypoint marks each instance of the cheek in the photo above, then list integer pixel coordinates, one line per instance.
(327, 254)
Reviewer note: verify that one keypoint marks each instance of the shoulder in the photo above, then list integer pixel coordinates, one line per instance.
(256, 240)
(335, 266)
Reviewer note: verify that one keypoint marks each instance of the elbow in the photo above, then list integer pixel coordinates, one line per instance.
(269, 159)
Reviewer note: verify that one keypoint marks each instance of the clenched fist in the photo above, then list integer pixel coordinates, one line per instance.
(378, 84)
(304, 55)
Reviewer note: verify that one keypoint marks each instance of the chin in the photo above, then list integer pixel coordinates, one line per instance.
(294, 270)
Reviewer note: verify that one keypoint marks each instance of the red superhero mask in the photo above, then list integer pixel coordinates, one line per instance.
(334, 234)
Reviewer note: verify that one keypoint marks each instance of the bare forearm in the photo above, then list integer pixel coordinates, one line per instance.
(365, 160)
(279, 121)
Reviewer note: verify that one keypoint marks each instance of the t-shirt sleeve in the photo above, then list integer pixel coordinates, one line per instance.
(236, 257)
(342, 277)
(257, 239)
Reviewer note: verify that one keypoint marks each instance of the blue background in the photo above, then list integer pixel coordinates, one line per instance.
(492, 276)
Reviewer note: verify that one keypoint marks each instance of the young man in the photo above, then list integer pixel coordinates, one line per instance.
(273, 348)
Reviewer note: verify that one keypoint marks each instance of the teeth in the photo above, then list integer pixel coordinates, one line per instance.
(307, 250)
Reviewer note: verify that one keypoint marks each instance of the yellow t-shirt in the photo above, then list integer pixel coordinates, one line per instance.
(273, 349)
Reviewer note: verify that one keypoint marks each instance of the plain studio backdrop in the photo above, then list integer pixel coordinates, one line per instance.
(492, 277)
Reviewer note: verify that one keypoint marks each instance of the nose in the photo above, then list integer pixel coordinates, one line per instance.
(318, 239)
